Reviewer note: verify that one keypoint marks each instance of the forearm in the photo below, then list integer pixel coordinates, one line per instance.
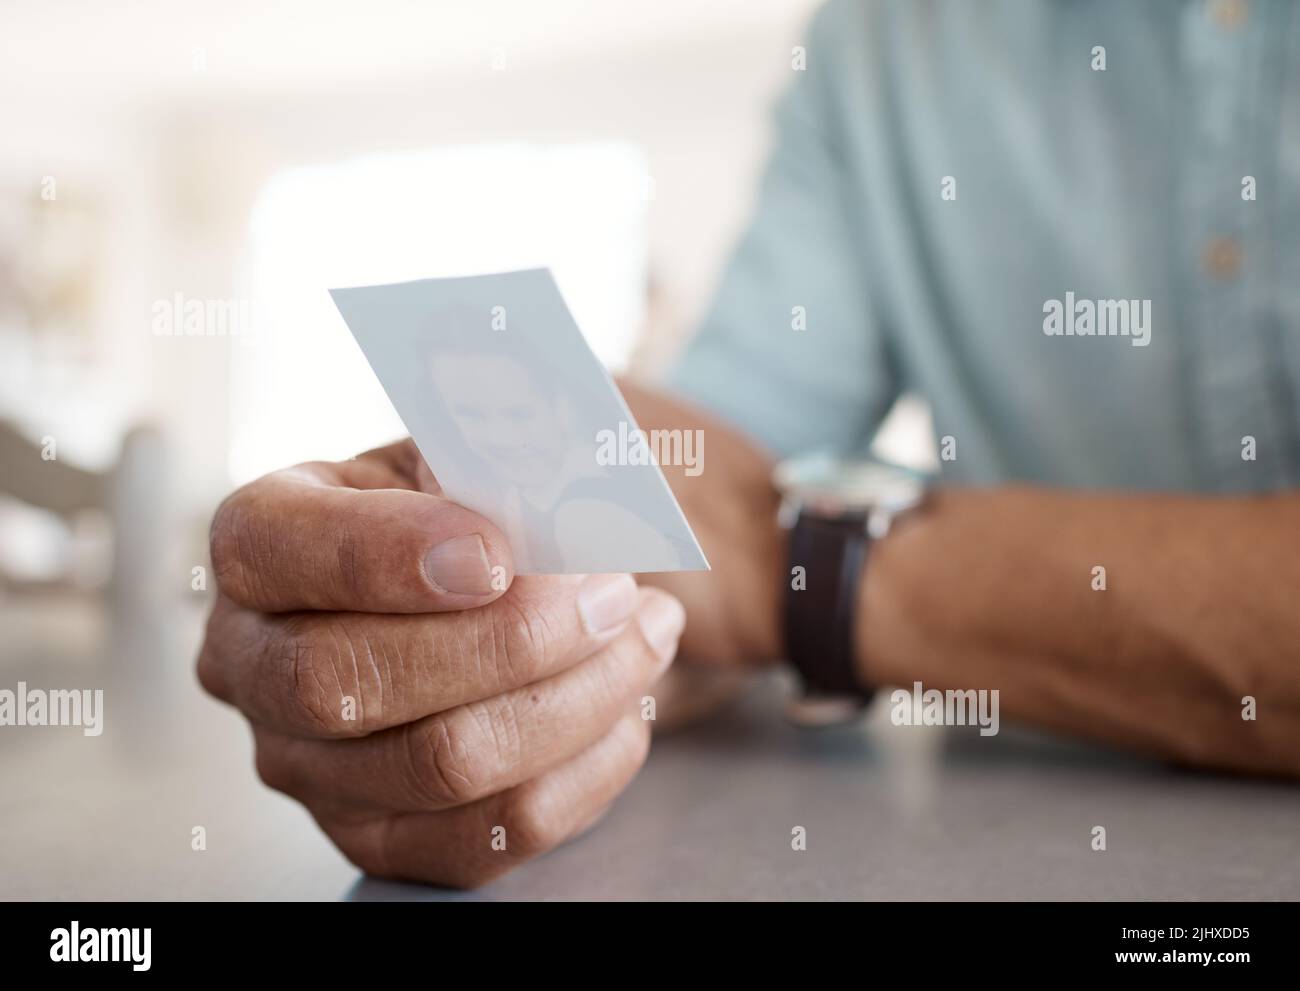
(995, 589)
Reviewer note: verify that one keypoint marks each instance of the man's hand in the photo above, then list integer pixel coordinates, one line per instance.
(405, 689)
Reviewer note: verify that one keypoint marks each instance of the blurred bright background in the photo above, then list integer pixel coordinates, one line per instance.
(247, 156)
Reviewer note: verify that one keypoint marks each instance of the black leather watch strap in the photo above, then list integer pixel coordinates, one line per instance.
(819, 618)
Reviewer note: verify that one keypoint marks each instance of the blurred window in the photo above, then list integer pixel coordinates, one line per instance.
(301, 388)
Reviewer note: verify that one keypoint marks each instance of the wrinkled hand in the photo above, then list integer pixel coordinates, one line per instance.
(442, 720)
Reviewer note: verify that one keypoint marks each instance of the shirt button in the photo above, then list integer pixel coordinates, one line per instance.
(1222, 257)
(1228, 13)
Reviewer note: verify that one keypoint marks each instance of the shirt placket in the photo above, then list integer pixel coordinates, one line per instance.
(1232, 357)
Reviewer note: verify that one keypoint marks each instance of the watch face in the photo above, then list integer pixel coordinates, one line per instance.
(837, 485)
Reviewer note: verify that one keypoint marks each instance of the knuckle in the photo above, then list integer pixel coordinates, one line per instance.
(237, 545)
(229, 522)
(272, 769)
(534, 821)
(208, 674)
(353, 577)
(521, 635)
(368, 850)
(311, 687)
(363, 857)
(500, 723)
(213, 652)
(444, 769)
(621, 671)
(207, 666)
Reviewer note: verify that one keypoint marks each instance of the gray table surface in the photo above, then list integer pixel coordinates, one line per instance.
(889, 812)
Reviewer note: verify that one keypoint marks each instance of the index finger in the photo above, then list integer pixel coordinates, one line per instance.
(298, 539)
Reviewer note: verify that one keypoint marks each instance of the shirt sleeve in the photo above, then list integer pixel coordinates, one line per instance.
(801, 263)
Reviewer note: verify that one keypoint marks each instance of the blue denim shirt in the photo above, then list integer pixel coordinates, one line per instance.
(945, 173)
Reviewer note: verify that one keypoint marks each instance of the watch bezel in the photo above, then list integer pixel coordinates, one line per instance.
(835, 487)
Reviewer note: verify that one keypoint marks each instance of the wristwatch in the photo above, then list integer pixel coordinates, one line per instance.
(832, 509)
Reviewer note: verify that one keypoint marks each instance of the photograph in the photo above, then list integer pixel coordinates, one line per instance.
(518, 421)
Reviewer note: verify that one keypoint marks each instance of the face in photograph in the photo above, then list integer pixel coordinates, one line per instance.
(505, 416)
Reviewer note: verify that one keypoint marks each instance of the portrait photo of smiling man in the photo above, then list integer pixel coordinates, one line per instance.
(518, 416)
